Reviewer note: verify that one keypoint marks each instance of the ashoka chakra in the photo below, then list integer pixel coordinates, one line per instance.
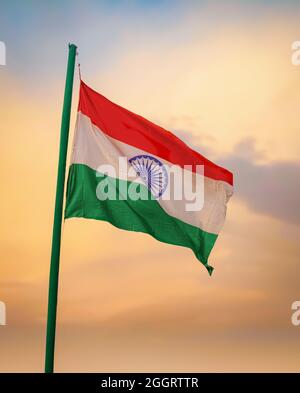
(152, 172)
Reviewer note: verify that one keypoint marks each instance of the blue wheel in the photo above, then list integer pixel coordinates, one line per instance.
(152, 172)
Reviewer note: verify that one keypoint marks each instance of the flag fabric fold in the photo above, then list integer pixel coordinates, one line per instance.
(105, 134)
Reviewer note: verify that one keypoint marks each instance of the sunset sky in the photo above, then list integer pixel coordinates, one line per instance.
(219, 75)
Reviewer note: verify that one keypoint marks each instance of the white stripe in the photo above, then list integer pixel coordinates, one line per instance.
(94, 148)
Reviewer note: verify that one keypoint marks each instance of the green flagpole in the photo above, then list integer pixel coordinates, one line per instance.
(58, 212)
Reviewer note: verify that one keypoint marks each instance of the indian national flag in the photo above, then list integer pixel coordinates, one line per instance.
(106, 132)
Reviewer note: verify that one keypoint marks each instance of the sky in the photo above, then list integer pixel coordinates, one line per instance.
(219, 75)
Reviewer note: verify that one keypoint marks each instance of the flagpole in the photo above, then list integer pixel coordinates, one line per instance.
(58, 212)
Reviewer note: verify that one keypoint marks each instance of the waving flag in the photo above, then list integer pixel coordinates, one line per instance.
(97, 188)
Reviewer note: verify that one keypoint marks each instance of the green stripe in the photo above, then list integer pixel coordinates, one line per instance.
(141, 216)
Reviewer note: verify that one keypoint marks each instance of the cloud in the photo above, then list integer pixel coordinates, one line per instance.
(270, 188)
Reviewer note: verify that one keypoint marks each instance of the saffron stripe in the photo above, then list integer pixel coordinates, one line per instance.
(135, 130)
